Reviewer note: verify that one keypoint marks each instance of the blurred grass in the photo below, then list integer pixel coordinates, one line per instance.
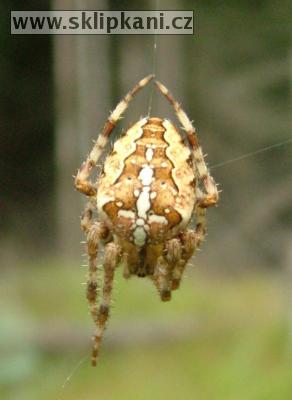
(241, 350)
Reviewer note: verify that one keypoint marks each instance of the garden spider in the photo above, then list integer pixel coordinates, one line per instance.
(151, 185)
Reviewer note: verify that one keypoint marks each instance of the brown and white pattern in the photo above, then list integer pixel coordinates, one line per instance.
(146, 192)
(151, 185)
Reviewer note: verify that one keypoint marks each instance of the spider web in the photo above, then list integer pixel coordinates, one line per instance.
(154, 64)
(251, 154)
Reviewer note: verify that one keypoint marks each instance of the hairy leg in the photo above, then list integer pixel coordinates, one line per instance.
(163, 273)
(112, 254)
(95, 231)
(210, 196)
(82, 182)
(190, 240)
(162, 278)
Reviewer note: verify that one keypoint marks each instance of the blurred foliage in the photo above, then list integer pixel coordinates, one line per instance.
(240, 350)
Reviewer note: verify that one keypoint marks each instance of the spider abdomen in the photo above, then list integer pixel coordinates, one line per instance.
(146, 193)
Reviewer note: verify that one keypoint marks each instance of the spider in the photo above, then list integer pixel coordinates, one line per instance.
(151, 185)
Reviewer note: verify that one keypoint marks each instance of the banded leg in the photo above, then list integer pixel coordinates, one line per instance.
(174, 257)
(126, 270)
(112, 253)
(162, 278)
(210, 197)
(82, 182)
(188, 246)
(163, 273)
(191, 241)
(177, 274)
(95, 231)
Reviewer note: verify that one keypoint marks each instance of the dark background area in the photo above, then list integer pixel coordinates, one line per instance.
(234, 78)
(27, 133)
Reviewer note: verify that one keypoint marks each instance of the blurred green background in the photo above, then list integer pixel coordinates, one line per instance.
(227, 333)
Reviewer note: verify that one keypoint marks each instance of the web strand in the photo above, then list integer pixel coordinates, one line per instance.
(251, 154)
(77, 366)
(154, 63)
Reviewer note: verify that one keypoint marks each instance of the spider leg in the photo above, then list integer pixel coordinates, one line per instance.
(95, 231)
(162, 278)
(126, 270)
(82, 182)
(210, 197)
(178, 251)
(191, 240)
(177, 274)
(112, 255)
(174, 252)
(163, 274)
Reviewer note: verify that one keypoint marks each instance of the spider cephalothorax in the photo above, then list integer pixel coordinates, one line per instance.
(151, 185)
